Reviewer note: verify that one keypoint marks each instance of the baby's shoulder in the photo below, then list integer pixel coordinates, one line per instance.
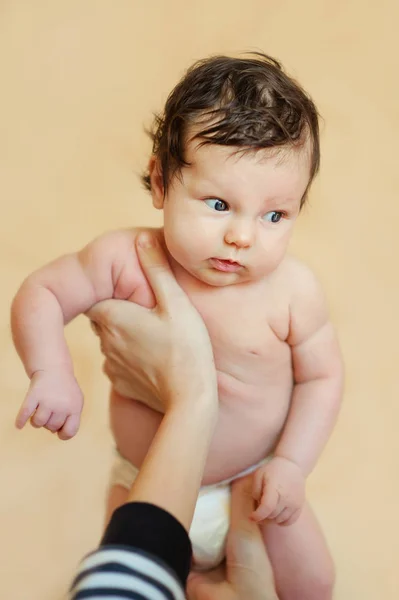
(296, 286)
(297, 278)
(114, 249)
(307, 304)
(119, 242)
(113, 254)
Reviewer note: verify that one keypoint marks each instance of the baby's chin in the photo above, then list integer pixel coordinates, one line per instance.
(215, 278)
(205, 274)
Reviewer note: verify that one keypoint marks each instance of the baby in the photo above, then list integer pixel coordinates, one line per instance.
(234, 154)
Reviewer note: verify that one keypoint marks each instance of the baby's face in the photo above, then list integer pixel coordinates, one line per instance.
(229, 218)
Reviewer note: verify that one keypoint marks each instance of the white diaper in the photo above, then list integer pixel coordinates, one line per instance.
(211, 519)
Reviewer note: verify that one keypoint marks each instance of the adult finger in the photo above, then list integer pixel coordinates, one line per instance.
(113, 311)
(248, 566)
(242, 507)
(242, 502)
(208, 586)
(108, 370)
(157, 269)
(258, 483)
(116, 376)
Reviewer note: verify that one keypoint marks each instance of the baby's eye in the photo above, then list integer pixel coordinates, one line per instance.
(273, 216)
(219, 205)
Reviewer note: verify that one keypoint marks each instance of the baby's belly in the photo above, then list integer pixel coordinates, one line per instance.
(249, 424)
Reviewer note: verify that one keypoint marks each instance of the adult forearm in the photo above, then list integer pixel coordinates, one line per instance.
(313, 413)
(171, 474)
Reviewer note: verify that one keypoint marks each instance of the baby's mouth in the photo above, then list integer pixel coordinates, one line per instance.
(225, 265)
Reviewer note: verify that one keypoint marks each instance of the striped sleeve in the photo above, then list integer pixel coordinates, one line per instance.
(145, 554)
(113, 573)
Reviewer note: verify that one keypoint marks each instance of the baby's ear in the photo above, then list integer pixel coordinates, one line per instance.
(156, 179)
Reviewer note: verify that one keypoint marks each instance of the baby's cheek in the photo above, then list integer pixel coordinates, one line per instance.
(271, 256)
(185, 243)
(175, 243)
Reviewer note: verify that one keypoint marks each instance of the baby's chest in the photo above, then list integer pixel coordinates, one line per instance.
(244, 329)
(254, 364)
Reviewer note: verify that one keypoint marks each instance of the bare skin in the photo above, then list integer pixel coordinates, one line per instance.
(278, 363)
(254, 380)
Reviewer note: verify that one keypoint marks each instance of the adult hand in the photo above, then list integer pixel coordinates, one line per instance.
(248, 573)
(161, 355)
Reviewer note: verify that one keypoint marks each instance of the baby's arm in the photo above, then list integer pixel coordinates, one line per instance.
(318, 375)
(279, 486)
(48, 300)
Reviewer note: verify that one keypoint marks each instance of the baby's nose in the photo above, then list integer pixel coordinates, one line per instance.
(240, 234)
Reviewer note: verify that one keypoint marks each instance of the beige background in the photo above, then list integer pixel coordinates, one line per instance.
(78, 80)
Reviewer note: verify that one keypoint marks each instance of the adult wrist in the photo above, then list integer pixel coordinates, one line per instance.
(203, 405)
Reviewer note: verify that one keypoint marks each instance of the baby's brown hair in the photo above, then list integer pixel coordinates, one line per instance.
(249, 103)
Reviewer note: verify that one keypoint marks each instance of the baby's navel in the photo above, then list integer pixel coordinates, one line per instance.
(254, 352)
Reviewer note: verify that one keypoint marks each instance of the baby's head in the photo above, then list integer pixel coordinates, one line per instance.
(234, 154)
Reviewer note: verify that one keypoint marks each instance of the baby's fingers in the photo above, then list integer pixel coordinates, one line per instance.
(41, 416)
(267, 504)
(279, 509)
(56, 421)
(291, 519)
(26, 411)
(70, 427)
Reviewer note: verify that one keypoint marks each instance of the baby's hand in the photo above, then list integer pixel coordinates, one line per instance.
(279, 488)
(54, 401)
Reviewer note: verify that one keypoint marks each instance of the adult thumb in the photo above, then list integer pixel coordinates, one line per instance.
(112, 313)
(156, 268)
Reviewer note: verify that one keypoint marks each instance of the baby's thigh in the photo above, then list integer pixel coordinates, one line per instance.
(302, 563)
(134, 426)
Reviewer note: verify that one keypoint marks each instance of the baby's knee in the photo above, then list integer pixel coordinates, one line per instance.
(321, 586)
(316, 582)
